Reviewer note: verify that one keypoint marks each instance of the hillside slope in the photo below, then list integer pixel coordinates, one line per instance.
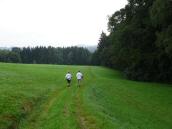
(36, 97)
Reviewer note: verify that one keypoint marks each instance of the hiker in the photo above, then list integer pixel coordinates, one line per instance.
(79, 77)
(68, 78)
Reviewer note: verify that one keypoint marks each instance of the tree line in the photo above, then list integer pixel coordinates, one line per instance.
(139, 42)
(47, 55)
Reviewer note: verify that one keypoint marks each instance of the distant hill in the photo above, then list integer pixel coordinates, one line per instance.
(5, 48)
(90, 48)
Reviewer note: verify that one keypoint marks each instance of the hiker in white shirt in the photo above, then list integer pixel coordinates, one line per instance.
(68, 78)
(79, 77)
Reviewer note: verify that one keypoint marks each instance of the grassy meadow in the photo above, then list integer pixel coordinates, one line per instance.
(37, 97)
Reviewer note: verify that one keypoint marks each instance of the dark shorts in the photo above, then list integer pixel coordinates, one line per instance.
(79, 79)
(68, 81)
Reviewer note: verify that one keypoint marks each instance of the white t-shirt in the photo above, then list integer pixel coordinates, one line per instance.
(79, 75)
(68, 76)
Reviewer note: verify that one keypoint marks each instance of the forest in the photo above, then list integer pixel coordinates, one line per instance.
(139, 42)
(47, 55)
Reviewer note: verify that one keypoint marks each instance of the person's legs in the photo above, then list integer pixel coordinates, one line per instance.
(68, 82)
(79, 81)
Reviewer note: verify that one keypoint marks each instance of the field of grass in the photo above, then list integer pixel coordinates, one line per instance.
(37, 97)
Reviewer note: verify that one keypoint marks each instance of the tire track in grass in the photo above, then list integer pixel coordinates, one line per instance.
(51, 101)
(61, 113)
(34, 117)
(69, 110)
(85, 119)
(58, 112)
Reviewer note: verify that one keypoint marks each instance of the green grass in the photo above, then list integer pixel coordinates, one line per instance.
(36, 97)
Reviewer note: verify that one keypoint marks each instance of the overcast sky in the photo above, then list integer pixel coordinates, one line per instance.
(54, 22)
